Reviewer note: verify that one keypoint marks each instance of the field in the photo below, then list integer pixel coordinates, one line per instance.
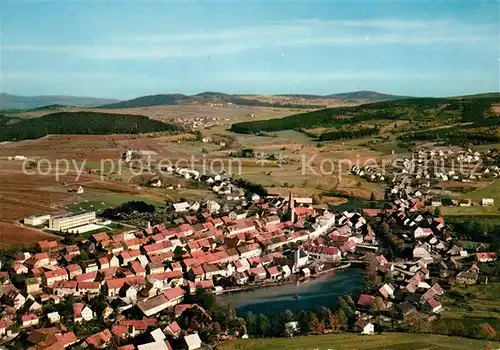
(46, 193)
(490, 191)
(15, 235)
(482, 306)
(387, 341)
(299, 163)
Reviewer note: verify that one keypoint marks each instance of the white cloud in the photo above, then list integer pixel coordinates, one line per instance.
(287, 34)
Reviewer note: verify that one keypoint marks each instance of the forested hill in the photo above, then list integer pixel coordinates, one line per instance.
(440, 111)
(81, 123)
(204, 97)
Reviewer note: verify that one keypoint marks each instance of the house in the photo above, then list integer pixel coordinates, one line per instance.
(169, 298)
(250, 250)
(273, 273)
(64, 288)
(422, 251)
(486, 257)
(74, 270)
(47, 246)
(4, 277)
(100, 340)
(432, 306)
(128, 293)
(422, 232)
(82, 313)
(192, 341)
(89, 288)
(467, 277)
(54, 317)
(258, 273)
(15, 297)
(173, 329)
(387, 291)
(364, 326)
(19, 268)
(181, 207)
(487, 202)
(365, 301)
(29, 320)
(50, 277)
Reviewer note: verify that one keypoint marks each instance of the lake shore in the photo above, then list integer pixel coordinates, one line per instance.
(320, 291)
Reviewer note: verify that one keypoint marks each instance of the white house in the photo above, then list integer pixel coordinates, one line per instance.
(82, 313)
(181, 207)
(54, 317)
(192, 341)
(364, 327)
(487, 202)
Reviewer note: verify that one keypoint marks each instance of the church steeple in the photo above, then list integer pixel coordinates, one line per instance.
(291, 207)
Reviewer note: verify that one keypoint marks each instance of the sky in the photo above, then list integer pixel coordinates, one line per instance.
(125, 49)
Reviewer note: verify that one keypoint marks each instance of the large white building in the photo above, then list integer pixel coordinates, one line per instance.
(68, 221)
(37, 220)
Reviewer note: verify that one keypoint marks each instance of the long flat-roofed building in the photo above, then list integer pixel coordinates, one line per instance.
(68, 221)
(37, 220)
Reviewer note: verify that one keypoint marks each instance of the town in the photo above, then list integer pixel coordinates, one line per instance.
(143, 288)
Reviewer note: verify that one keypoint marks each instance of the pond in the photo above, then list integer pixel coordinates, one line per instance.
(322, 291)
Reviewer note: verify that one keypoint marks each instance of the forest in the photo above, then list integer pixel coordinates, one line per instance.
(80, 123)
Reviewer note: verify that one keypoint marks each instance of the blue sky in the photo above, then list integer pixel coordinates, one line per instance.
(127, 49)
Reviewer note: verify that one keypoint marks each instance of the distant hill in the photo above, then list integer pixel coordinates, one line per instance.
(47, 108)
(366, 95)
(146, 101)
(80, 123)
(355, 95)
(201, 98)
(482, 95)
(8, 101)
(357, 121)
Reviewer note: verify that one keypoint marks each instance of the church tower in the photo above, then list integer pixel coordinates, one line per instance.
(291, 207)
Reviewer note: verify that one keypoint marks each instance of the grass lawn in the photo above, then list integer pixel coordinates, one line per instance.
(475, 210)
(97, 201)
(483, 301)
(403, 341)
(490, 191)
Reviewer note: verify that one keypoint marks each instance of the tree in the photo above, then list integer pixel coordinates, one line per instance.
(263, 325)
(342, 318)
(281, 320)
(487, 331)
(372, 197)
(437, 212)
(334, 321)
(205, 299)
(317, 326)
(251, 323)
(304, 319)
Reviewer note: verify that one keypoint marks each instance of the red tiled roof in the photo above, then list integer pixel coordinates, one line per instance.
(66, 284)
(366, 300)
(89, 285)
(174, 293)
(99, 339)
(174, 327)
(86, 277)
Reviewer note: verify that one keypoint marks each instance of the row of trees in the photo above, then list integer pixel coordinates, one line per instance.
(317, 321)
(349, 134)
